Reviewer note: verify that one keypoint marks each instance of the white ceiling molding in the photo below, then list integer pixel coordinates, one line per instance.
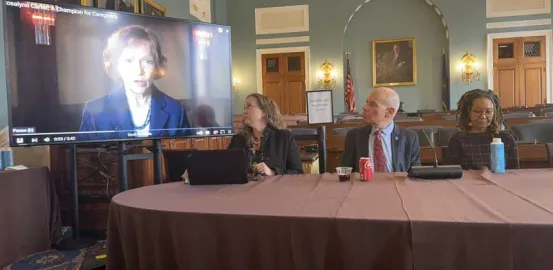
(502, 8)
(523, 23)
(286, 19)
(269, 41)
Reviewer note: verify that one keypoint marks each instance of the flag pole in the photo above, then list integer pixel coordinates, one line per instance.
(349, 93)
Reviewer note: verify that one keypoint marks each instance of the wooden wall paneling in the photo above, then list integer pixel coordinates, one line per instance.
(215, 143)
(200, 143)
(226, 141)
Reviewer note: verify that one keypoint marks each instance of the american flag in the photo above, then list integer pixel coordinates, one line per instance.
(349, 94)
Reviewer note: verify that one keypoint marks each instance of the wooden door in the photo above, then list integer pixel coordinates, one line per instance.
(283, 79)
(519, 71)
(533, 82)
(505, 79)
(533, 86)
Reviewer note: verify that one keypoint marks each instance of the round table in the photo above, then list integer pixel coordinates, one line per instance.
(282, 222)
(316, 222)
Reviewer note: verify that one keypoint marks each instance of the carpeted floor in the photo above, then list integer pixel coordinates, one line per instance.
(90, 258)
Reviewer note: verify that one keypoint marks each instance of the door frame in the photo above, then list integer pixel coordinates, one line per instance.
(548, 55)
(259, 67)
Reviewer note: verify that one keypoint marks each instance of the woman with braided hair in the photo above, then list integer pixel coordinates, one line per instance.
(480, 118)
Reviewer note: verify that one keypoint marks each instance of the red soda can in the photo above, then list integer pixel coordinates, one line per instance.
(365, 169)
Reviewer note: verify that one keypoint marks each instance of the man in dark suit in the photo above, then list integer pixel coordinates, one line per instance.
(400, 65)
(391, 148)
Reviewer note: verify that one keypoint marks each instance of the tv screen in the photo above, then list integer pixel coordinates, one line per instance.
(78, 74)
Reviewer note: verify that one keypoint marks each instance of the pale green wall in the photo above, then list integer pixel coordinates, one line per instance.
(377, 19)
(413, 19)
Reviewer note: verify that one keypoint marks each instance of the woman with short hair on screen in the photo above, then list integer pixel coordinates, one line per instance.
(480, 119)
(273, 149)
(134, 57)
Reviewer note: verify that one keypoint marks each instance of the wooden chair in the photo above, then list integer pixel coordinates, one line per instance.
(534, 132)
(314, 134)
(423, 132)
(549, 147)
(449, 117)
(519, 115)
(427, 111)
(341, 131)
(444, 134)
(546, 111)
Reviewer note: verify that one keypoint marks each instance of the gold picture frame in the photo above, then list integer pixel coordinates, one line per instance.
(70, 2)
(132, 6)
(394, 62)
(152, 8)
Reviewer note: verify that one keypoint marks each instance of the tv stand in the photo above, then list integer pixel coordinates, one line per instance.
(124, 156)
(77, 242)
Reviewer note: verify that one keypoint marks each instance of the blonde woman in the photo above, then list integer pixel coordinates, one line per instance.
(272, 148)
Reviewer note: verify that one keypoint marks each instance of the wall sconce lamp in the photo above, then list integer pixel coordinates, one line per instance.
(327, 76)
(235, 82)
(470, 68)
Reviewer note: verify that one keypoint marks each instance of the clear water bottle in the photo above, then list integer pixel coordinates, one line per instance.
(497, 155)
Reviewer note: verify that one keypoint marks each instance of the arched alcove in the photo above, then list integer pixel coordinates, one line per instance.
(395, 19)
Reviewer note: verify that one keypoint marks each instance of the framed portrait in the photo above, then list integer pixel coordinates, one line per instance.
(103, 4)
(106, 4)
(319, 107)
(152, 8)
(394, 62)
(70, 2)
(132, 6)
(201, 9)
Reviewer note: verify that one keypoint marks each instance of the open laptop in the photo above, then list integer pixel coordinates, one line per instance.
(207, 167)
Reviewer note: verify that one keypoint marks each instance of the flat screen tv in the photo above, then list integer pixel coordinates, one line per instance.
(80, 75)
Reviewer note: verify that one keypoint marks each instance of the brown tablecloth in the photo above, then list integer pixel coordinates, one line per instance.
(483, 221)
(29, 213)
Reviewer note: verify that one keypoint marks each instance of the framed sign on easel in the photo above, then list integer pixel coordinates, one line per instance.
(319, 107)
